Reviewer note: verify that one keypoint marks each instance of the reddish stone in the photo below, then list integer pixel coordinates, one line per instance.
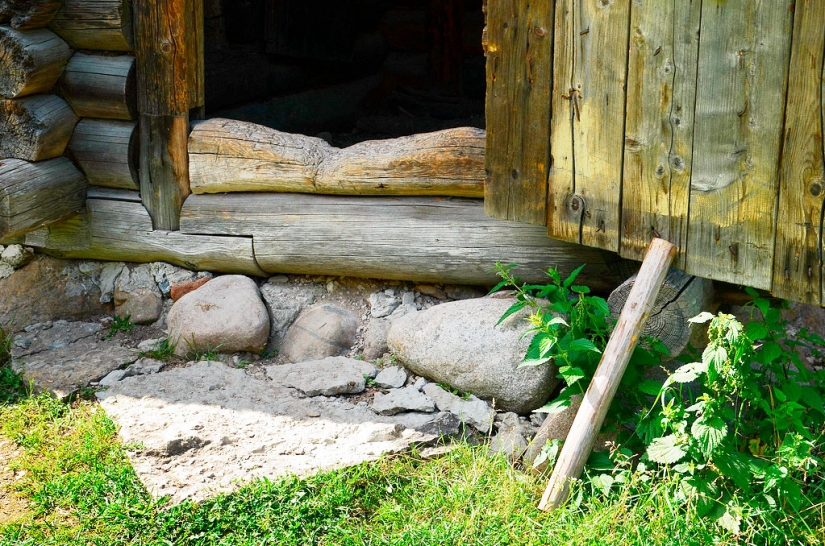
(181, 289)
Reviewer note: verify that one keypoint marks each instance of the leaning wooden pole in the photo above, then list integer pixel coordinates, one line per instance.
(163, 102)
(608, 375)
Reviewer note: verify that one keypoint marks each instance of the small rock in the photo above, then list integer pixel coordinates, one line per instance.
(391, 378)
(319, 332)
(383, 303)
(325, 377)
(180, 444)
(509, 443)
(178, 290)
(144, 366)
(472, 411)
(431, 290)
(461, 292)
(408, 298)
(137, 296)
(148, 345)
(112, 378)
(166, 275)
(5, 270)
(375, 338)
(108, 275)
(400, 400)
(284, 304)
(419, 383)
(278, 279)
(445, 425)
(17, 256)
(226, 313)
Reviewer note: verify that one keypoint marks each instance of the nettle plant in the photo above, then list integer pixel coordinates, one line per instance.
(744, 424)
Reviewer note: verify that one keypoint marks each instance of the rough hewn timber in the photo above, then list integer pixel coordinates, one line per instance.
(519, 81)
(29, 14)
(411, 238)
(36, 194)
(106, 151)
(232, 156)
(35, 128)
(681, 297)
(31, 61)
(99, 86)
(161, 50)
(95, 24)
(122, 231)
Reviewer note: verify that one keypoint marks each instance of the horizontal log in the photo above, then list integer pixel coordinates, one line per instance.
(36, 194)
(71, 233)
(106, 151)
(122, 231)
(29, 14)
(35, 128)
(407, 238)
(99, 86)
(95, 24)
(97, 192)
(232, 156)
(31, 61)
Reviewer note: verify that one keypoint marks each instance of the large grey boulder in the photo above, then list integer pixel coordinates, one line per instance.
(326, 377)
(226, 314)
(284, 303)
(321, 331)
(137, 295)
(458, 343)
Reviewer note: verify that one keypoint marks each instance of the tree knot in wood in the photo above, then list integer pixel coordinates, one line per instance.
(575, 205)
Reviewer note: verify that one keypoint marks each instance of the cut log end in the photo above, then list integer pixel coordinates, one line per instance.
(30, 61)
(35, 128)
(28, 14)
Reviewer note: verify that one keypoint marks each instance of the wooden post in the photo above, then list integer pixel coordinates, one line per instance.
(163, 102)
(608, 375)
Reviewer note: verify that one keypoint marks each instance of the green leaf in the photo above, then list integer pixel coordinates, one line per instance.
(770, 352)
(651, 387)
(557, 320)
(600, 305)
(578, 289)
(515, 308)
(756, 331)
(556, 406)
(709, 434)
(688, 372)
(665, 450)
(701, 318)
(572, 277)
(734, 465)
(582, 344)
(553, 273)
(571, 374)
(730, 521)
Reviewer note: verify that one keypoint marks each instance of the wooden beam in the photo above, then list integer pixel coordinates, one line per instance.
(29, 14)
(35, 194)
(122, 231)
(101, 86)
(605, 382)
(407, 238)
(232, 156)
(107, 152)
(33, 60)
(163, 89)
(35, 128)
(104, 25)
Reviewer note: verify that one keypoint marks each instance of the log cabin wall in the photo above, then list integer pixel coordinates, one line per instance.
(611, 122)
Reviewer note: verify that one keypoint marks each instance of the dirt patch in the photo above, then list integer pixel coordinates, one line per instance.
(12, 507)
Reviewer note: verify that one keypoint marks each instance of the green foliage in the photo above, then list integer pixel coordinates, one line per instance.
(163, 350)
(12, 385)
(748, 441)
(120, 324)
(570, 328)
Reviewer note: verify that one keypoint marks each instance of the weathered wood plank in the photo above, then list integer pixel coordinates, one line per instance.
(161, 51)
(122, 231)
(195, 49)
(407, 238)
(36, 194)
(743, 64)
(72, 233)
(519, 79)
(106, 151)
(31, 61)
(95, 24)
(590, 64)
(661, 91)
(797, 269)
(114, 194)
(227, 155)
(99, 86)
(35, 128)
(29, 14)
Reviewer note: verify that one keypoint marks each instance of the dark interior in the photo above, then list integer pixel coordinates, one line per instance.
(346, 70)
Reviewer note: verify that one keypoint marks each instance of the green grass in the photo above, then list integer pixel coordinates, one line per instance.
(83, 491)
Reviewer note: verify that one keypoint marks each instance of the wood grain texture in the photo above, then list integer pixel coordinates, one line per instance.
(35, 128)
(164, 167)
(587, 133)
(519, 78)
(680, 298)
(122, 231)
(31, 61)
(411, 238)
(195, 70)
(71, 233)
(29, 14)
(661, 91)
(36, 194)
(797, 268)
(106, 151)
(743, 64)
(605, 382)
(99, 86)
(95, 24)
(230, 156)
